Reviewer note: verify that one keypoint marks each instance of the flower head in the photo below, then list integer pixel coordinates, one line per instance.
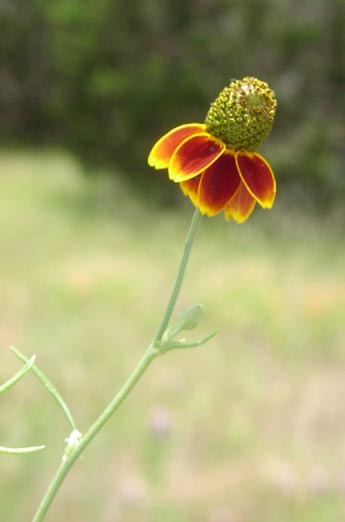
(215, 163)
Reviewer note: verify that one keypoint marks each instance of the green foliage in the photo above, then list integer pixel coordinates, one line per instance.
(107, 78)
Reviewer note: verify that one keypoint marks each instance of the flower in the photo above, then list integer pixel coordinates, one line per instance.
(215, 162)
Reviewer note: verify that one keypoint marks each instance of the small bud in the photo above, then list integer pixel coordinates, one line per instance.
(190, 318)
(72, 442)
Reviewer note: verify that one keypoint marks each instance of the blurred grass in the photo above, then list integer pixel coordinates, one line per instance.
(249, 427)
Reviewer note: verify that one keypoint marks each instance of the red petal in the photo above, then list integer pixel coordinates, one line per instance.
(241, 205)
(258, 177)
(194, 155)
(218, 184)
(190, 188)
(164, 148)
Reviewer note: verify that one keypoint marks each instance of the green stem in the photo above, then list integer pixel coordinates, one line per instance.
(179, 278)
(152, 351)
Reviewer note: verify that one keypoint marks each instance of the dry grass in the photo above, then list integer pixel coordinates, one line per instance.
(249, 427)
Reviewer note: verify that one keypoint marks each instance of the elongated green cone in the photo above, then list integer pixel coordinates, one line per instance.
(243, 114)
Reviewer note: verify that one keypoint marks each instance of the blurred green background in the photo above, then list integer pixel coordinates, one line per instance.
(105, 79)
(251, 426)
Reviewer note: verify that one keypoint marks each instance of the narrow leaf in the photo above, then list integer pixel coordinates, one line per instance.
(17, 376)
(19, 451)
(50, 387)
(194, 344)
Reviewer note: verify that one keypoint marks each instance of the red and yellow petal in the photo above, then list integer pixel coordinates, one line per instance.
(164, 148)
(241, 205)
(218, 184)
(190, 188)
(194, 155)
(257, 176)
